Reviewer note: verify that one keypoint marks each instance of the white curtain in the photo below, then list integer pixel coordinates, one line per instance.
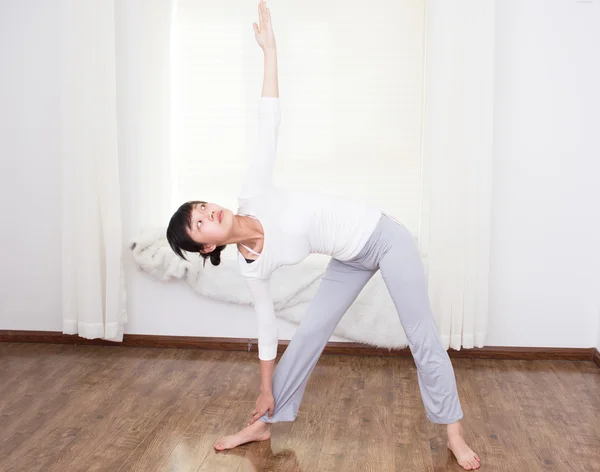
(457, 166)
(93, 294)
(115, 122)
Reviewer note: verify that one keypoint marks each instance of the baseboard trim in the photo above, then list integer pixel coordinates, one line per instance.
(246, 344)
(596, 357)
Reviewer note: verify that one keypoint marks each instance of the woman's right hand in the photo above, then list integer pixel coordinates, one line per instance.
(264, 30)
(265, 403)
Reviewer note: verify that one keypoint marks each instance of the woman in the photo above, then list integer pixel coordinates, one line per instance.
(274, 227)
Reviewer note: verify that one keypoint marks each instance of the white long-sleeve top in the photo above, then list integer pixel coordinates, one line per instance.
(295, 224)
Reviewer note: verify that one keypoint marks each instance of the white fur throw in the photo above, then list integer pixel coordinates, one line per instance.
(372, 319)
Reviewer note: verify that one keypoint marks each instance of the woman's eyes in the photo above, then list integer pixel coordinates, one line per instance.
(202, 208)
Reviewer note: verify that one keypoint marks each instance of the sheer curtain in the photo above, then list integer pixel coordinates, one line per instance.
(115, 122)
(93, 294)
(457, 166)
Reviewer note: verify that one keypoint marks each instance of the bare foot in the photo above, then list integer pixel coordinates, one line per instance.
(463, 453)
(258, 431)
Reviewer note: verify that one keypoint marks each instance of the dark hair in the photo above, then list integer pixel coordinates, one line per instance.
(180, 240)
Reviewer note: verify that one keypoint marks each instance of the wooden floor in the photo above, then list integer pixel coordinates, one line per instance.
(97, 408)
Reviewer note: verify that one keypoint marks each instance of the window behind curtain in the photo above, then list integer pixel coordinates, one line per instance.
(350, 80)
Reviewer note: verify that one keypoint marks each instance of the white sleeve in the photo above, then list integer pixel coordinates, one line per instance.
(268, 336)
(259, 175)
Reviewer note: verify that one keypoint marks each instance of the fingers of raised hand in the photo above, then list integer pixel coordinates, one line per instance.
(261, 15)
(264, 13)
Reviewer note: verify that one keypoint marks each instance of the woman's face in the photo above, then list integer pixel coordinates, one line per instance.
(210, 225)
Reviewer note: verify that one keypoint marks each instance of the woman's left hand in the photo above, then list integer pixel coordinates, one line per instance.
(264, 30)
(265, 403)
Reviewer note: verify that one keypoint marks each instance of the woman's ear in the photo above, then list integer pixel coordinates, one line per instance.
(208, 248)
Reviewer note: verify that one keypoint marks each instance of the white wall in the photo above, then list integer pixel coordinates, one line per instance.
(545, 281)
(545, 256)
(29, 166)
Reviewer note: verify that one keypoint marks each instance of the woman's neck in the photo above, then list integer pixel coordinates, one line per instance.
(245, 229)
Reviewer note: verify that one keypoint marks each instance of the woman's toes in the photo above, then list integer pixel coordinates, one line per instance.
(221, 444)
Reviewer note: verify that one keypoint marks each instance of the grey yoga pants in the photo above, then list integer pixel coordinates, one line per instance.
(392, 250)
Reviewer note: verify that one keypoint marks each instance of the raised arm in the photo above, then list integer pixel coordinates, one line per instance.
(266, 40)
(259, 175)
